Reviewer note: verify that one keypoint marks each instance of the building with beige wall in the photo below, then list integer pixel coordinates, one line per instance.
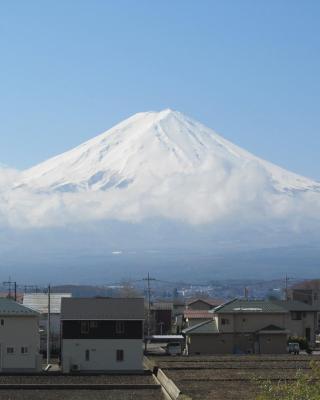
(252, 326)
(19, 338)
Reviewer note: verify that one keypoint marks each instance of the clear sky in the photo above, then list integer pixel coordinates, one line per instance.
(70, 69)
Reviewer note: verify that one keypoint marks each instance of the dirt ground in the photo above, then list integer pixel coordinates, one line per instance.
(229, 377)
(76, 394)
(81, 394)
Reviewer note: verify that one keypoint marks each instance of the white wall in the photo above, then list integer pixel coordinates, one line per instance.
(102, 354)
(17, 332)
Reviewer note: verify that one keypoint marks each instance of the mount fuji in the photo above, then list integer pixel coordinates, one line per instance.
(145, 150)
(158, 190)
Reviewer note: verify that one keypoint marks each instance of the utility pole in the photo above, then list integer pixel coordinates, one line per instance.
(286, 288)
(11, 284)
(48, 326)
(148, 279)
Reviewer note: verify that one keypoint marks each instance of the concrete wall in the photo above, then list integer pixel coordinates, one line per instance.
(102, 354)
(17, 332)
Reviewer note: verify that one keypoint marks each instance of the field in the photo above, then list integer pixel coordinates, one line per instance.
(229, 377)
(94, 393)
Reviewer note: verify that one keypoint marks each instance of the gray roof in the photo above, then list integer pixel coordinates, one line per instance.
(102, 308)
(250, 306)
(10, 307)
(39, 302)
(205, 327)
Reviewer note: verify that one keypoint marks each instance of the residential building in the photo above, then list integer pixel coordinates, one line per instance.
(39, 302)
(251, 326)
(309, 296)
(195, 317)
(161, 317)
(102, 334)
(301, 319)
(19, 338)
(198, 310)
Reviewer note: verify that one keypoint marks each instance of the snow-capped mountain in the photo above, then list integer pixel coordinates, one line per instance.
(147, 149)
(159, 190)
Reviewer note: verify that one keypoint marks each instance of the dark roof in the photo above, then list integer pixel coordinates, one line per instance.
(272, 328)
(203, 328)
(250, 306)
(102, 308)
(10, 307)
(295, 305)
(207, 300)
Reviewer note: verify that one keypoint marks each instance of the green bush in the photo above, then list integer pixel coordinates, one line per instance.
(306, 386)
(304, 345)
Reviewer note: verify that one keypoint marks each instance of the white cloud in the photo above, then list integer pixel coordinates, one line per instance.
(241, 196)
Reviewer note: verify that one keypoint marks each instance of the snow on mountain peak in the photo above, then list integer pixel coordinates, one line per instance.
(146, 149)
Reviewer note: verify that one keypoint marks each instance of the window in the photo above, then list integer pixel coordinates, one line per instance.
(87, 355)
(10, 350)
(24, 350)
(94, 324)
(224, 321)
(119, 327)
(120, 355)
(2, 322)
(84, 327)
(296, 315)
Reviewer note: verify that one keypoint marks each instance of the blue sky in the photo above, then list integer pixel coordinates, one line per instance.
(247, 68)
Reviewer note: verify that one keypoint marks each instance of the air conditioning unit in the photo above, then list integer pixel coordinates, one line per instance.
(75, 367)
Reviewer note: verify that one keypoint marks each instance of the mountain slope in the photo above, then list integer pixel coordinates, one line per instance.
(147, 149)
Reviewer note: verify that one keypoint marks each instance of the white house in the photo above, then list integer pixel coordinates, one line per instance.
(102, 334)
(19, 338)
(39, 303)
